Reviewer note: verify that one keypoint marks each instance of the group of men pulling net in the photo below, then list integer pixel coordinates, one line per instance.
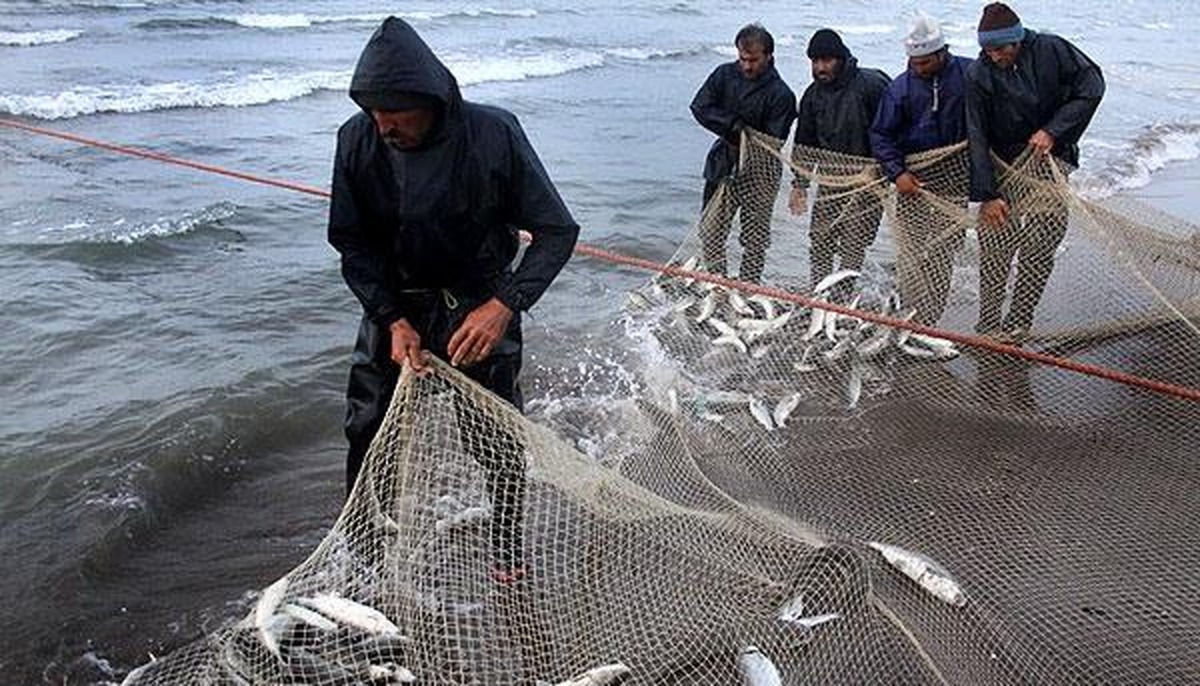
(814, 495)
(830, 477)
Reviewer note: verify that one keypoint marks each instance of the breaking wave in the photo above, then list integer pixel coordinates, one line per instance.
(303, 21)
(268, 86)
(25, 39)
(123, 232)
(1135, 163)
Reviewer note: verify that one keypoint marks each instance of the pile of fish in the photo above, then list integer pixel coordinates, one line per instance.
(778, 336)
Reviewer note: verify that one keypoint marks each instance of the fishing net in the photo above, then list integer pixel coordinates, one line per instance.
(839, 473)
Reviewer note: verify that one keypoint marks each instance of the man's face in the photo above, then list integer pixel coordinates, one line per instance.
(927, 66)
(826, 69)
(753, 60)
(1005, 55)
(404, 129)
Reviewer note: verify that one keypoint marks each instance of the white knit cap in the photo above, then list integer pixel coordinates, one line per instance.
(924, 37)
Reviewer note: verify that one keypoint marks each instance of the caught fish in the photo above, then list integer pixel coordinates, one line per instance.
(784, 410)
(757, 668)
(638, 301)
(608, 675)
(739, 304)
(690, 266)
(838, 351)
(815, 324)
(792, 609)
(721, 327)
(929, 575)
(855, 386)
(922, 353)
(268, 603)
(309, 617)
(672, 401)
(350, 613)
(876, 343)
(732, 340)
(834, 279)
(814, 621)
(766, 303)
(831, 324)
(683, 305)
(804, 366)
(393, 674)
(761, 414)
(931, 342)
(760, 352)
(707, 307)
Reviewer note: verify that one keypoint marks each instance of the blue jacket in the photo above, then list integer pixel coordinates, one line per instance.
(916, 115)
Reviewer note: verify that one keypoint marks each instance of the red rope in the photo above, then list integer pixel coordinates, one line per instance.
(1175, 390)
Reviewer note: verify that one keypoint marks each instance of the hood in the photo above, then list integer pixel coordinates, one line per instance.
(396, 63)
(845, 76)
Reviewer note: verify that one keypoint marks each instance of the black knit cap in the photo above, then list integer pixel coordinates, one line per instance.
(827, 43)
(998, 16)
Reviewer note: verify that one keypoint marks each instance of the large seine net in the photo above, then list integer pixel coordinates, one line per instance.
(830, 478)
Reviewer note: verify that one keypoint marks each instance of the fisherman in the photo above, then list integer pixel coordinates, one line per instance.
(924, 109)
(429, 192)
(1034, 90)
(836, 112)
(746, 94)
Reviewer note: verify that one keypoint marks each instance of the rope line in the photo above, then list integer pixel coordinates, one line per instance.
(607, 256)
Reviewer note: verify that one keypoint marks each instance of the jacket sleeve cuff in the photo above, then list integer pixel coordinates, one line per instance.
(387, 315)
(513, 299)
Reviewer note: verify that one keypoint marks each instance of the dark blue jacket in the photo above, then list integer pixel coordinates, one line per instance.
(729, 101)
(916, 115)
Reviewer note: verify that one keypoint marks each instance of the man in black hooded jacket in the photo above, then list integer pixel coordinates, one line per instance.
(1034, 90)
(748, 93)
(836, 112)
(429, 193)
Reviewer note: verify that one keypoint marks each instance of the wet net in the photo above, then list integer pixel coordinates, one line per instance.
(908, 449)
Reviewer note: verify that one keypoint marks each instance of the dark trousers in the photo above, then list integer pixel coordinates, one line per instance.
(755, 201)
(373, 379)
(844, 224)
(1033, 238)
(927, 238)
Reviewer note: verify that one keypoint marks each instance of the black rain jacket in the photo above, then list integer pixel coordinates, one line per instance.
(1052, 86)
(447, 215)
(728, 102)
(837, 116)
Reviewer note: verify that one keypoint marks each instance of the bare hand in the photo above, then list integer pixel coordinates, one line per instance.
(798, 201)
(908, 184)
(994, 213)
(1042, 142)
(406, 345)
(479, 333)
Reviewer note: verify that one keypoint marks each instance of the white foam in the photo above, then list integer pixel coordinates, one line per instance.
(255, 89)
(1158, 26)
(470, 71)
(864, 29)
(645, 53)
(303, 21)
(25, 39)
(268, 86)
(1137, 162)
(120, 231)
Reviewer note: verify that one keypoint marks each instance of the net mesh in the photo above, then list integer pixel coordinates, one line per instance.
(835, 475)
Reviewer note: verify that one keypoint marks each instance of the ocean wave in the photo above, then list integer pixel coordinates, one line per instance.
(291, 21)
(85, 231)
(268, 86)
(644, 53)
(1135, 163)
(864, 29)
(25, 39)
(255, 89)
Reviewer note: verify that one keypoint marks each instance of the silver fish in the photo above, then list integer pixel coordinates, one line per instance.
(834, 279)
(931, 342)
(855, 386)
(815, 324)
(761, 414)
(876, 343)
(268, 603)
(309, 617)
(707, 307)
(831, 324)
(683, 304)
(732, 340)
(757, 668)
(804, 366)
(350, 613)
(690, 266)
(838, 351)
(929, 575)
(922, 353)
(390, 673)
(784, 409)
(739, 304)
(721, 327)
(760, 352)
(814, 621)
(608, 675)
(766, 303)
